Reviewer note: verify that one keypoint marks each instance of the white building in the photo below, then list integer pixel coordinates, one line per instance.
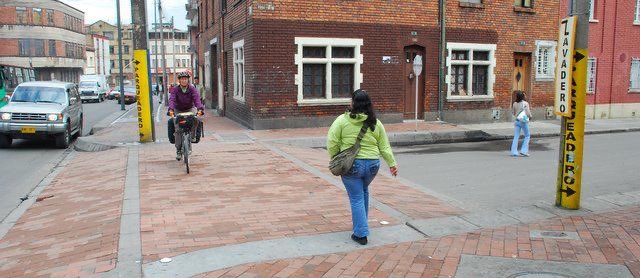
(176, 50)
(98, 57)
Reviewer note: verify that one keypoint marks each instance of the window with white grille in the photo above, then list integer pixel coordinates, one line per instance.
(238, 70)
(545, 59)
(591, 75)
(637, 20)
(635, 75)
(470, 71)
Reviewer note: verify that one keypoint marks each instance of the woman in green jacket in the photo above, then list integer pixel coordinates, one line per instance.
(374, 143)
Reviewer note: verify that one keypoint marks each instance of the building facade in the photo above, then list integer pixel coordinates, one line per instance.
(109, 31)
(613, 74)
(264, 74)
(176, 52)
(98, 57)
(42, 40)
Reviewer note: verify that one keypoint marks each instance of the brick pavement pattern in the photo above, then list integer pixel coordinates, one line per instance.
(75, 231)
(608, 238)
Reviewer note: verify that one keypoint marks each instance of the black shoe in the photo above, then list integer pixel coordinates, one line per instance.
(179, 155)
(361, 240)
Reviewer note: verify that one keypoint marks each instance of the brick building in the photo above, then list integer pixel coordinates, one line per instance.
(613, 88)
(98, 57)
(111, 32)
(278, 64)
(44, 36)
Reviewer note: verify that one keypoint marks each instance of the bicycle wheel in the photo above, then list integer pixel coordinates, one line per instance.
(186, 140)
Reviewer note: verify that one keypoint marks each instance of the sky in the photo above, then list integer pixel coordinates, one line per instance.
(95, 10)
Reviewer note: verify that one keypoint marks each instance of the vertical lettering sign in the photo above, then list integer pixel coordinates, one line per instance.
(142, 95)
(573, 137)
(566, 44)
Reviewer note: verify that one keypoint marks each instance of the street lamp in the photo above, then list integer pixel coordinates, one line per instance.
(417, 70)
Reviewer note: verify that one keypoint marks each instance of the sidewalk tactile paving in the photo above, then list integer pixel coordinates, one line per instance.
(235, 193)
(75, 232)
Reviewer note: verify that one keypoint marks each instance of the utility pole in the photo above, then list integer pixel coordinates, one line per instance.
(164, 60)
(571, 83)
(173, 38)
(120, 74)
(141, 67)
(443, 56)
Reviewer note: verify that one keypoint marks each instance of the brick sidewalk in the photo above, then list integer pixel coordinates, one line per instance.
(73, 231)
(609, 238)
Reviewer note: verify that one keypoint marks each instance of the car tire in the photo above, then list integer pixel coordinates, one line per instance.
(63, 140)
(80, 128)
(5, 141)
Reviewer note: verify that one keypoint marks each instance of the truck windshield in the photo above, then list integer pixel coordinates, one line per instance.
(38, 94)
(88, 84)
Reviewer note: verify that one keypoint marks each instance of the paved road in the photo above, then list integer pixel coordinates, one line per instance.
(482, 176)
(26, 163)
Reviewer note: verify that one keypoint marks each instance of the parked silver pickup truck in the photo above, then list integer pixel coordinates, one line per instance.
(42, 109)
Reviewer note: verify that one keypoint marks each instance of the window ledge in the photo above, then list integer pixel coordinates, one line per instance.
(472, 98)
(471, 5)
(524, 10)
(593, 21)
(634, 91)
(636, 22)
(545, 79)
(241, 100)
(320, 102)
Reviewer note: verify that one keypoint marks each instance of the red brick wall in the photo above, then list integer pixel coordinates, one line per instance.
(9, 47)
(8, 15)
(613, 41)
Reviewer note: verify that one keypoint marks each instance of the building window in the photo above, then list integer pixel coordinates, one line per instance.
(591, 75)
(472, 1)
(523, 3)
(635, 75)
(24, 47)
(328, 70)
(637, 20)
(112, 49)
(592, 10)
(37, 16)
(109, 35)
(238, 70)
(545, 59)
(471, 68)
(126, 49)
(50, 17)
(52, 48)
(21, 15)
(38, 45)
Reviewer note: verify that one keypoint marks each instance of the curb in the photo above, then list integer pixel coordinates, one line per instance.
(88, 144)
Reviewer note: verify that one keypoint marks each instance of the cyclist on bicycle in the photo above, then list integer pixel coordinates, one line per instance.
(184, 98)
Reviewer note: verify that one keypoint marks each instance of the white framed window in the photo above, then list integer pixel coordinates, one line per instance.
(328, 70)
(545, 60)
(238, 70)
(634, 84)
(592, 67)
(470, 71)
(637, 19)
(592, 10)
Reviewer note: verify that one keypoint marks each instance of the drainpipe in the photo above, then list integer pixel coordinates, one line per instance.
(443, 55)
(613, 57)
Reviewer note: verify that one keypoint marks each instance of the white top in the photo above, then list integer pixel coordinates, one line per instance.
(517, 107)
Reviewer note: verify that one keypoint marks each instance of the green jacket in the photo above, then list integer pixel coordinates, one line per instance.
(344, 131)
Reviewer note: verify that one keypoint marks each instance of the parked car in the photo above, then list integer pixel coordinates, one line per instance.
(42, 109)
(129, 95)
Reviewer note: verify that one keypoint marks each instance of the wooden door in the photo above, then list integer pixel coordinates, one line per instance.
(410, 80)
(521, 72)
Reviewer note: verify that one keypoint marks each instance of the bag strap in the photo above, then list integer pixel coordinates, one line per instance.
(363, 130)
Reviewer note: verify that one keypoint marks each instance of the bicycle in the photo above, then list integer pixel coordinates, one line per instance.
(186, 122)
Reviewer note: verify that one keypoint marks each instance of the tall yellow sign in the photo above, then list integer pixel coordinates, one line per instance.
(145, 120)
(570, 164)
(566, 45)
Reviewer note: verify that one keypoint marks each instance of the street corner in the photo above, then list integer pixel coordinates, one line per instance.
(73, 226)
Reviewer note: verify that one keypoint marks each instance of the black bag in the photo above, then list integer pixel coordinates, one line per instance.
(171, 129)
(342, 162)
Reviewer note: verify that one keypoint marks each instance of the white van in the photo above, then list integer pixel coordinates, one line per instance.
(93, 87)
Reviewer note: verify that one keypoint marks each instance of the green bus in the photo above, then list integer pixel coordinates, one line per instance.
(3, 88)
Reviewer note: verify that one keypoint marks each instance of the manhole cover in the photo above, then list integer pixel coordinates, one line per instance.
(553, 234)
(539, 275)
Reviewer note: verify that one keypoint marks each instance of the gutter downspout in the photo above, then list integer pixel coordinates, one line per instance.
(443, 48)
(613, 56)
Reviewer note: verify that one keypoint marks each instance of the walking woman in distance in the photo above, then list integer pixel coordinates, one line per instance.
(374, 144)
(521, 111)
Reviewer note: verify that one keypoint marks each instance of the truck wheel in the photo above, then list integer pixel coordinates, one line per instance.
(63, 140)
(5, 141)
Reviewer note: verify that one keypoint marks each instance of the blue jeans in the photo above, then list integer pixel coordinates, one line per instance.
(525, 143)
(357, 184)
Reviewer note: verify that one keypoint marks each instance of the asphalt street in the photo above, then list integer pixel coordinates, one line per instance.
(482, 176)
(26, 163)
